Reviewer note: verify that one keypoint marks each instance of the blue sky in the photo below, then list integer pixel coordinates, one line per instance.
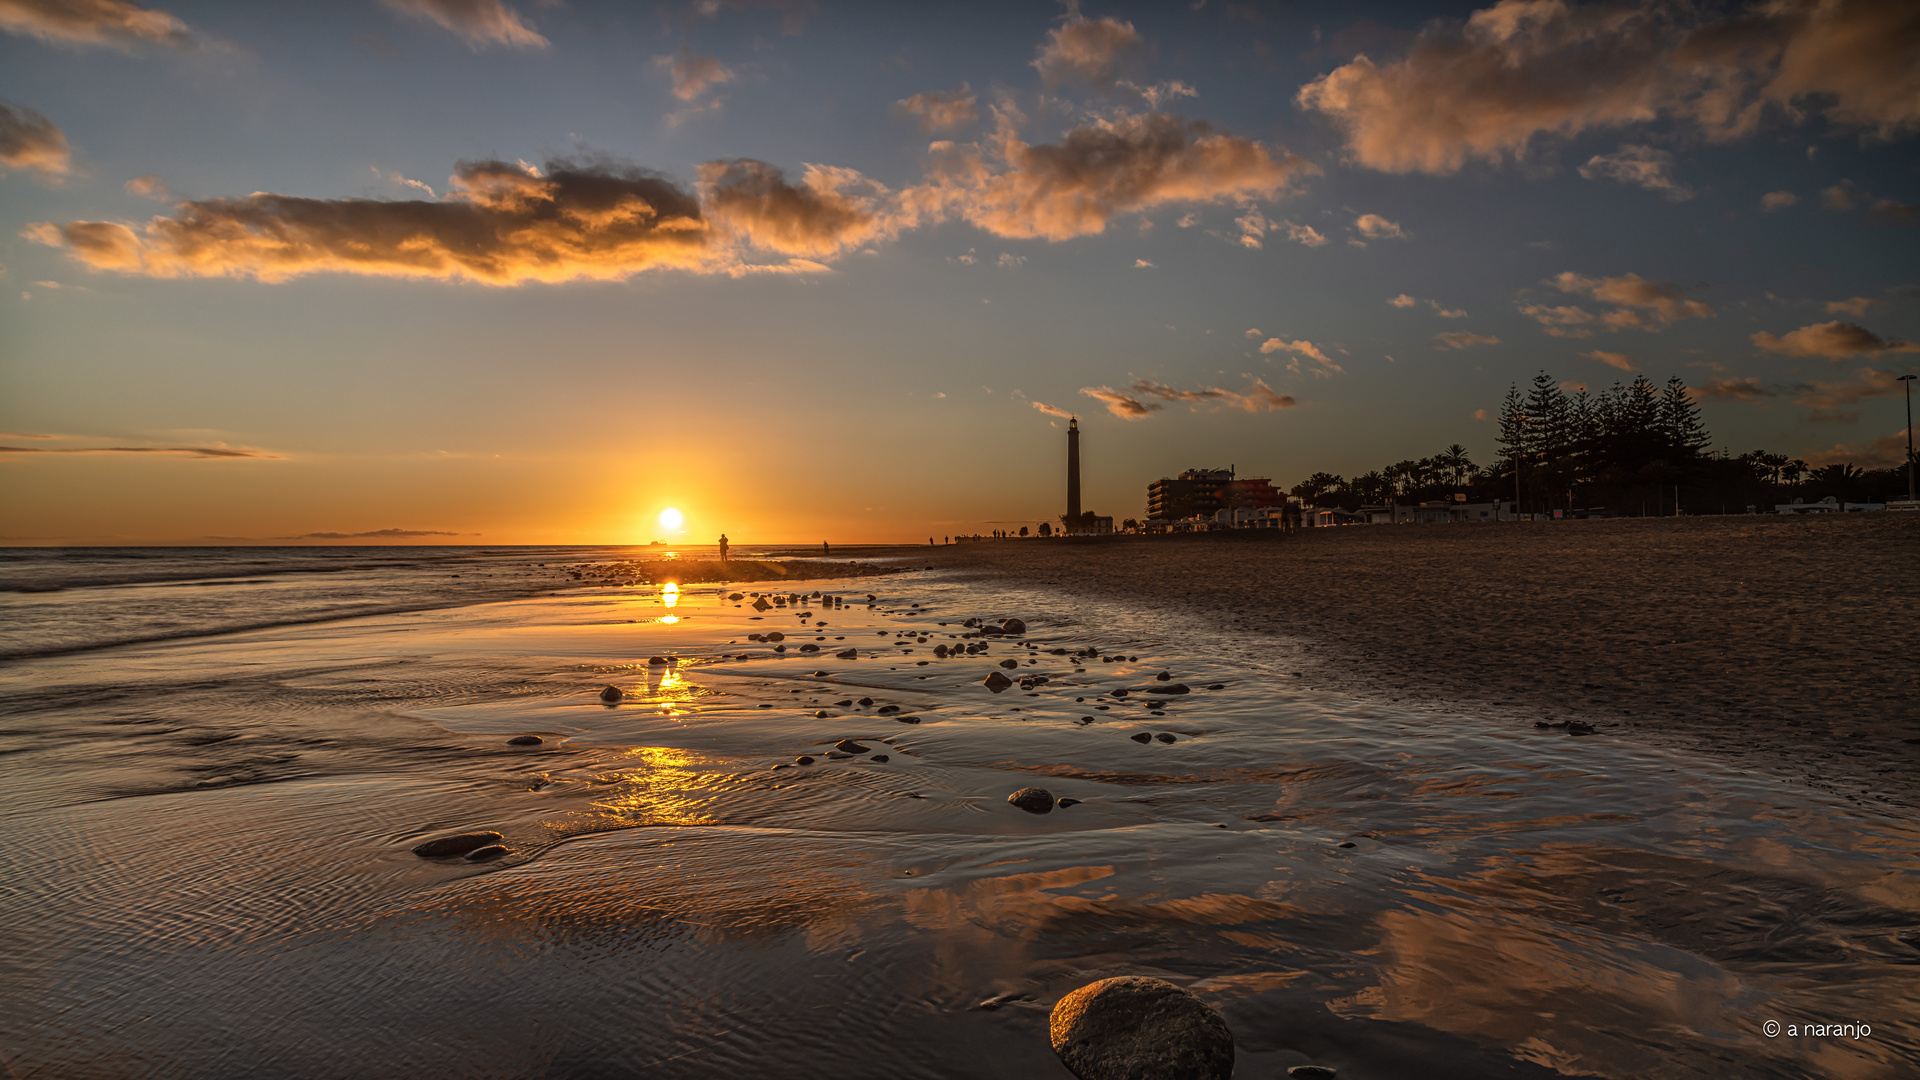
(856, 352)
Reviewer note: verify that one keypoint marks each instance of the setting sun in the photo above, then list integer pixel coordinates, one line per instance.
(671, 519)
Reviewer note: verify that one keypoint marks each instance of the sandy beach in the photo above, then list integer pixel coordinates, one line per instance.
(1782, 644)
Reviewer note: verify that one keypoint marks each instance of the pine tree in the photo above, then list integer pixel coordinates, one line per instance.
(1515, 438)
(1686, 435)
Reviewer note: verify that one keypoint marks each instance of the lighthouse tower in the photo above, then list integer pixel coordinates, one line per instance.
(1073, 474)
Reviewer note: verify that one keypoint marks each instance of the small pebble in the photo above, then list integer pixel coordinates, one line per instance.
(611, 693)
(880, 758)
(849, 746)
(1141, 737)
(1165, 736)
(1064, 803)
(1312, 1072)
(525, 740)
(803, 760)
(908, 719)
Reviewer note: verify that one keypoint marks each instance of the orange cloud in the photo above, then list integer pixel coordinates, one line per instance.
(1124, 406)
(1885, 452)
(479, 23)
(1775, 201)
(1461, 339)
(501, 224)
(694, 75)
(1087, 50)
(31, 141)
(1632, 294)
(92, 22)
(1323, 366)
(1564, 320)
(1856, 307)
(1375, 227)
(1051, 410)
(1641, 166)
(940, 110)
(1834, 341)
(1258, 397)
(1483, 90)
(1612, 359)
(1107, 167)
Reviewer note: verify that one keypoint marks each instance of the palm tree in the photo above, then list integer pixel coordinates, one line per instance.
(1455, 458)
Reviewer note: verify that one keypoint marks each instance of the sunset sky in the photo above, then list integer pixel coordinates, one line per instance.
(530, 271)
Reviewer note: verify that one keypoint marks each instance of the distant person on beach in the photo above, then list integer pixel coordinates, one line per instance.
(824, 549)
(723, 547)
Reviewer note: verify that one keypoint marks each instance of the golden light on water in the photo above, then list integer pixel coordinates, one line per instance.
(669, 619)
(670, 594)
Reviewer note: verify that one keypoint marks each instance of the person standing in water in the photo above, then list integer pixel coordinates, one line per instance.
(723, 547)
(825, 549)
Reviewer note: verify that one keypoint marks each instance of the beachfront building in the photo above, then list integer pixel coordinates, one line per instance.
(1203, 493)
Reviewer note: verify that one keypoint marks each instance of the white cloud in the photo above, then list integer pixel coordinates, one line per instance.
(1642, 166)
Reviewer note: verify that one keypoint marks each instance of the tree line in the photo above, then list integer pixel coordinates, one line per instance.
(1633, 449)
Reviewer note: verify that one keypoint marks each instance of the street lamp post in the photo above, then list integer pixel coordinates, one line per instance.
(1908, 380)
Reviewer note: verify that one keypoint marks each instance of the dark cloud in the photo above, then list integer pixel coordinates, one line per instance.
(175, 451)
(1257, 397)
(1485, 88)
(829, 210)
(479, 23)
(503, 223)
(377, 534)
(1832, 341)
(1096, 171)
(93, 22)
(31, 141)
(1125, 406)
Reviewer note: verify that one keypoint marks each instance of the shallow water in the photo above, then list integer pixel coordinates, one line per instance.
(208, 871)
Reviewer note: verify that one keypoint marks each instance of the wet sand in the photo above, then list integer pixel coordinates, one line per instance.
(1782, 644)
(210, 868)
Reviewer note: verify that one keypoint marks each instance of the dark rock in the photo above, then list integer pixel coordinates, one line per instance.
(1034, 800)
(1014, 626)
(866, 701)
(775, 636)
(761, 604)
(908, 719)
(1575, 727)
(821, 674)
(1347, 843)
(809, 647)
(838, 755)
(843, 703)
(525, 740)
(882, 758)
(971, 622)
(1137, 1028)
(803, 760)
(1176, 688)
(888, 710)
(848, 654)
(850, 747)
(1009, 663)
(735, 596)
(1163, 676)
(1165, 736)
(656, 661)
(1122, 692)
(779, 648)
(1217, 686)
(1064, 803)
(1312, 1072)
(822, 715)
(997, 682)
(940, 651)
(611, 694)
(1141, 736)
(441, 847)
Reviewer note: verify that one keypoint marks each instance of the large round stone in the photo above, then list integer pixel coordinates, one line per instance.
(1138, 1028)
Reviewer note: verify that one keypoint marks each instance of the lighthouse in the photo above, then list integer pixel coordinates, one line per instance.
(1073, 474)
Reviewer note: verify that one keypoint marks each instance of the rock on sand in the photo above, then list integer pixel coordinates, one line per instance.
(997, 682)
(1034, 800)
(611, 694)
(444, 846)
(1137, 1028)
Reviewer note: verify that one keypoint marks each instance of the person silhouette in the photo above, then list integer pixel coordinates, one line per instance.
(825, 549)
(723, 547)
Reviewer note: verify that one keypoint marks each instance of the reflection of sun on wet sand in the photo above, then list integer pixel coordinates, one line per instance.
(1785, 642)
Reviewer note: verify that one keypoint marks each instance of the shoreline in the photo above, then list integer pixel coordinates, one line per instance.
(1774, 642)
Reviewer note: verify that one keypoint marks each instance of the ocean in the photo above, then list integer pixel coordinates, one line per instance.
(215, 765)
